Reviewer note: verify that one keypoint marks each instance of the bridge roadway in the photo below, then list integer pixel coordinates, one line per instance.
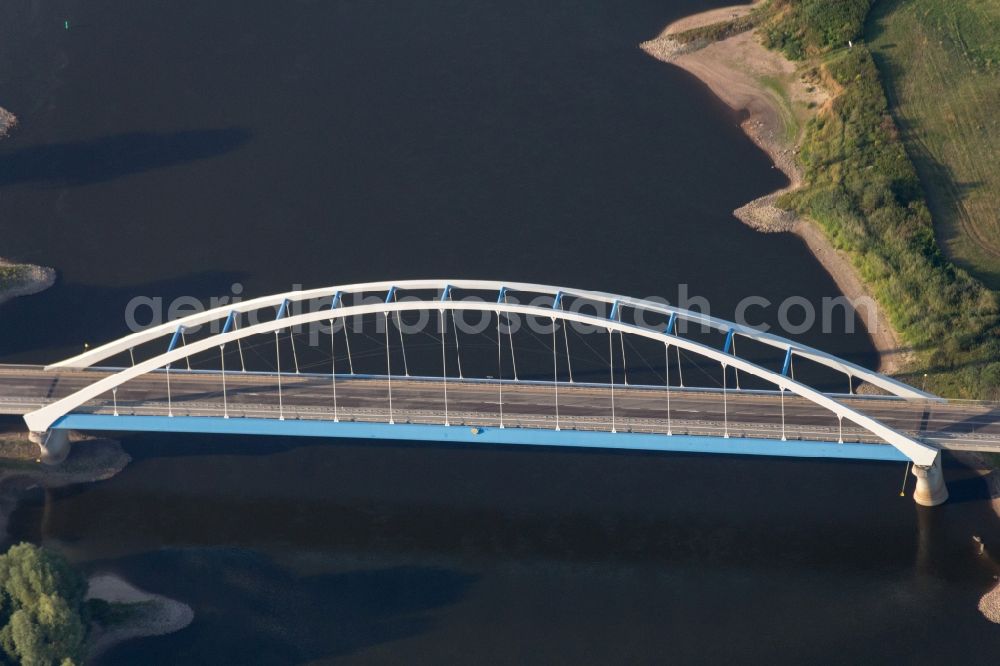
(957, 425)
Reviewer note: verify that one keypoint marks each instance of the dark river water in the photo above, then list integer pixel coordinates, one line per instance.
(174, 148)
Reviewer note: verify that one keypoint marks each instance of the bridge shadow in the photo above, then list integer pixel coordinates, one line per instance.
(297, 385)
(973, 423)
(92, 313)
(965, 484)
(914, 376)
(77, 163)
(285, 618)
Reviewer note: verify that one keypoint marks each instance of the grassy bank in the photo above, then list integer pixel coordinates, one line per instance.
(940, 62)
(862, 188)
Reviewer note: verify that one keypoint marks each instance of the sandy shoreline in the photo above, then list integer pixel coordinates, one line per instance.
(738, 70)
(156, 616)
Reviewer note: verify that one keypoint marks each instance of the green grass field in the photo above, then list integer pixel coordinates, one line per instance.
(940, 63)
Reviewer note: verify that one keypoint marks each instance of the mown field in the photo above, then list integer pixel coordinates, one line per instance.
(862, 188)
(940, 63)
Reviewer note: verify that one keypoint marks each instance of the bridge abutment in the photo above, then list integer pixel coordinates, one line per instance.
(931, 489)
(53, 445)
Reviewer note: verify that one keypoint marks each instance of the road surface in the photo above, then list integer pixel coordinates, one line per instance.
(961, 425)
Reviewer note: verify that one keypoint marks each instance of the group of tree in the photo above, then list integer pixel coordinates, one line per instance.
(42, 609)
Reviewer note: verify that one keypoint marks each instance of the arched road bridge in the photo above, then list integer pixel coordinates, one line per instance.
(476, 361)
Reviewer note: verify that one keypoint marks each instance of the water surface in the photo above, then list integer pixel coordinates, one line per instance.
(174, 148)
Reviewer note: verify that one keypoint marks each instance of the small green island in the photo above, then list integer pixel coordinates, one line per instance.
(51, 614)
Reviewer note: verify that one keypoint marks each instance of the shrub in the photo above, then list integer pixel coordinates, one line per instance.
(41, 607)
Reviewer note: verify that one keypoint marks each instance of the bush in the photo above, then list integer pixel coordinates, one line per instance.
(806, 27)
(41, 607)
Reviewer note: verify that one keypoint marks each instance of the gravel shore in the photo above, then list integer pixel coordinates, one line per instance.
(155, 614)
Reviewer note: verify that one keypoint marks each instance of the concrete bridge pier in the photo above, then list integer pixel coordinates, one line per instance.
(52, 444)
(930, 490)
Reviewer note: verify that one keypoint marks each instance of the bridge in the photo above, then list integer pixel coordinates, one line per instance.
(537, 365)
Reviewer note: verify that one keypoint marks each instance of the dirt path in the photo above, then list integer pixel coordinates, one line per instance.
(778, 101)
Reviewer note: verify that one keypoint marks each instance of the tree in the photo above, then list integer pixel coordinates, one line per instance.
(41, 607)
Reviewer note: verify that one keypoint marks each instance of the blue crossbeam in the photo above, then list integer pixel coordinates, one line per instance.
(729, 341)
(174, 340)
(557, 302)
(337, 300)
(671, 324)
(283, 310)
(788, 362)
(480, 435)
(614, 310)
(503, 293)
(446, 292)
(230, 320)
(390, 296)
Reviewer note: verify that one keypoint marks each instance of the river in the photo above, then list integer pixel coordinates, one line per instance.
(176, 148)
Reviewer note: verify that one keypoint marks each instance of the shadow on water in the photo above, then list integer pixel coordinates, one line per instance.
(295, 618)
(93, 313)
(78, 163)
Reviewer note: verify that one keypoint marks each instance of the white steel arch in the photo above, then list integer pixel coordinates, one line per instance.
(41, 419)
(124, 344)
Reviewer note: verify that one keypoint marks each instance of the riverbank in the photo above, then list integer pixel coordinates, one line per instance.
(138, 613)
(145, 614)
(778, 100)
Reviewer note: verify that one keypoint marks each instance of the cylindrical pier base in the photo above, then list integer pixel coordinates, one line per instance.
(930, 490)
(53, 445)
